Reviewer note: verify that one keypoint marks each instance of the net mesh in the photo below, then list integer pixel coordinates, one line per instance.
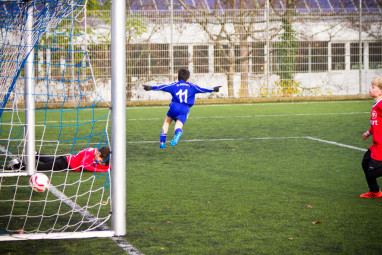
(68, 118)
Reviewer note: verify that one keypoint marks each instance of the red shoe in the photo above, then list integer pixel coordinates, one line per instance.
(371, 195)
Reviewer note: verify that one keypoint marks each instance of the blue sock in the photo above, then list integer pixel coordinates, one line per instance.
(162, 137)
(178, 130)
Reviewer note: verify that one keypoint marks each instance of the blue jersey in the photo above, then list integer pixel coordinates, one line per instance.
(182, 92)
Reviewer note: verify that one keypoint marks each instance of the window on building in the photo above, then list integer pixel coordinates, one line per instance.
(354, 56)
(273, 58)
(180, 57)
(312, 57)
(302, 58)
(258, 57)
(238, 63)
(200, 58)
(221, 55)
(319, 56)
(338, 56)
(159, 58)
(375, 55)
(138, 59)
(222, 58)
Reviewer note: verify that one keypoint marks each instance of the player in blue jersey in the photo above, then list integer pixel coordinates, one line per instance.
(183, 98)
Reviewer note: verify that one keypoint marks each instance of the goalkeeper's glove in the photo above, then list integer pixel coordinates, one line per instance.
(147, 88)
(216, 89)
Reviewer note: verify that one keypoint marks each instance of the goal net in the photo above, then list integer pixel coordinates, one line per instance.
(67, 118)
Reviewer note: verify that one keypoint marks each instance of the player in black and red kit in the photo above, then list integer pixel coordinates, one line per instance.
(372, 160)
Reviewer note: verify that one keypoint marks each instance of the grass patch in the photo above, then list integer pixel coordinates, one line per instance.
(244, 179)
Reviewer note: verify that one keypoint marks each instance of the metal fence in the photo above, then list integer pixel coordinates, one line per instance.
(250, 53)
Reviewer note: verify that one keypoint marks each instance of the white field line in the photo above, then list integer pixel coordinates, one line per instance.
(249, 104)
(126, 246)
(238, 104)
(222, 139)
(335, 143)
(260, 138)
(122, 243)
(225, 117)
(264, 115)
(282, 103)
(230, 105)
(239, 116)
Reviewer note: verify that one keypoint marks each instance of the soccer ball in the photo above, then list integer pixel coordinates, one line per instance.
(39, 182)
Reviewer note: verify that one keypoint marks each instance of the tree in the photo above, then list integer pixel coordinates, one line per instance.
(98, 5)
(232, 44)
(286, 47)
(247, 19)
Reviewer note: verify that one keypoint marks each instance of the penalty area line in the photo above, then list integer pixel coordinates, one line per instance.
(260, 138)
(335, 143)
(225, 139)
(261, 115)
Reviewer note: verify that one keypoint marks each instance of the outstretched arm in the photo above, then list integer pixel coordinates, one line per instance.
(166, 87)
(205, 90)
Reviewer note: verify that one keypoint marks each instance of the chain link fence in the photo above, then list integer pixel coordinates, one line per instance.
(251, 53)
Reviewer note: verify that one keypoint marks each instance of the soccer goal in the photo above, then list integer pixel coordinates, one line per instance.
(49, 107)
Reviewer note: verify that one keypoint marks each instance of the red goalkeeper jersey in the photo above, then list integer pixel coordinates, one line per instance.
(376, 131)
(86, 159)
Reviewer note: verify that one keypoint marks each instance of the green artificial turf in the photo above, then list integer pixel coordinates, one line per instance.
(245, 179)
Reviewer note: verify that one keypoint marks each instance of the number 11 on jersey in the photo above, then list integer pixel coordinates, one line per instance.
(182, 93)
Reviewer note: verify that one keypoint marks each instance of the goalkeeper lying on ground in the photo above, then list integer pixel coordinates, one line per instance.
(90, 159)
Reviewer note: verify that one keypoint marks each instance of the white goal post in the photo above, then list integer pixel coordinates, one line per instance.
(76, 204)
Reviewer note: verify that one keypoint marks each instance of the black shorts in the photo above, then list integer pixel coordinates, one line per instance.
(49, 163)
